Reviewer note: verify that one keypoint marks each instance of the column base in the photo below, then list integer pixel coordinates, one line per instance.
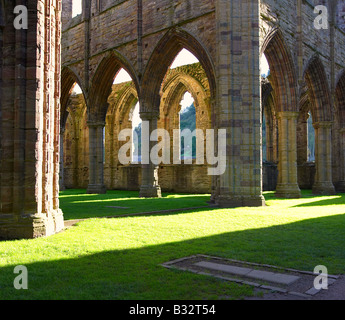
(288, 191)
(324, 188)
(240, 201)
(213, 198)
(96, 189)
(150, 192)
(30, 226)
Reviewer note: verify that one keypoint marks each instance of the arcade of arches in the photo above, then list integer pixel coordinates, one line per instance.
(60, 127)
(122, 102)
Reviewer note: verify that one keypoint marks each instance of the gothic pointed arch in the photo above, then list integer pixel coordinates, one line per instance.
(283, 74)
(68, 79)
(318, 90)
(124, 103)
(163, 56)
(177, 85)
(102, 82)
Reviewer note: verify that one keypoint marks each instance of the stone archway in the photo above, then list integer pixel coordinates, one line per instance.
(97, 102)
(284, 82)
(321, 110)
(191, 177)
(154, 75)
(122, 102)
(269, 114)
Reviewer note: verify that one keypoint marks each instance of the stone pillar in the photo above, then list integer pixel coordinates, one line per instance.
(269, 141)
(287, 186)
(323, 159)
(96, 158)
(239, 102)
(61, 176)
(215, 186)
(149, 183)
(341, 183)
(30, 123)
(302, 138)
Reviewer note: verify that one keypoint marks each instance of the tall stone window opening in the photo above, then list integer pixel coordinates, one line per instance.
(74, 142)
(129, 111)
(187, 112)
(311, 139)
(187, 127)
(264, 139)
(136, 127)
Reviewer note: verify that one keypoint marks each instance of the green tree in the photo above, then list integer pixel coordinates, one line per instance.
(188, 121)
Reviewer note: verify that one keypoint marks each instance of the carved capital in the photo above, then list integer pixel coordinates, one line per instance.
(148, 116)
(290, 115)
(323, 124)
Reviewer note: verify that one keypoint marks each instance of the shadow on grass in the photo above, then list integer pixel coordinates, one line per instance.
(76, 204)
(136, 274)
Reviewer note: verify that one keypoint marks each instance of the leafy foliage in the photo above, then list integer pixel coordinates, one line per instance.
(188, 122)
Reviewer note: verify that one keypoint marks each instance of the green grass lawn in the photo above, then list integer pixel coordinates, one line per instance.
(77, 204)
(120, 258)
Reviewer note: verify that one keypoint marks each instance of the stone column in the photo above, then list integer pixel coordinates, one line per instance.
(30, 123)
(269, 141)
(61, 157)
(323, 159)
(149, 186)
(239, 102)
(341, 183)
(287, 186)
(96, 158)
(302, 138)
(215, 187)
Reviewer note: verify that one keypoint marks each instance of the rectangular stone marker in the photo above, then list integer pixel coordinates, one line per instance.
(273, 277)
(250, 273)
(224, 268)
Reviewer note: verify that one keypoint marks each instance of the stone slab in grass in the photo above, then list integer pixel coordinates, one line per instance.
(261, 276)
(273, 277)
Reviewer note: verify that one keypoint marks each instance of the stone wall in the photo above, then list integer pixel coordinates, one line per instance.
(144, 37)
(341, 14)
